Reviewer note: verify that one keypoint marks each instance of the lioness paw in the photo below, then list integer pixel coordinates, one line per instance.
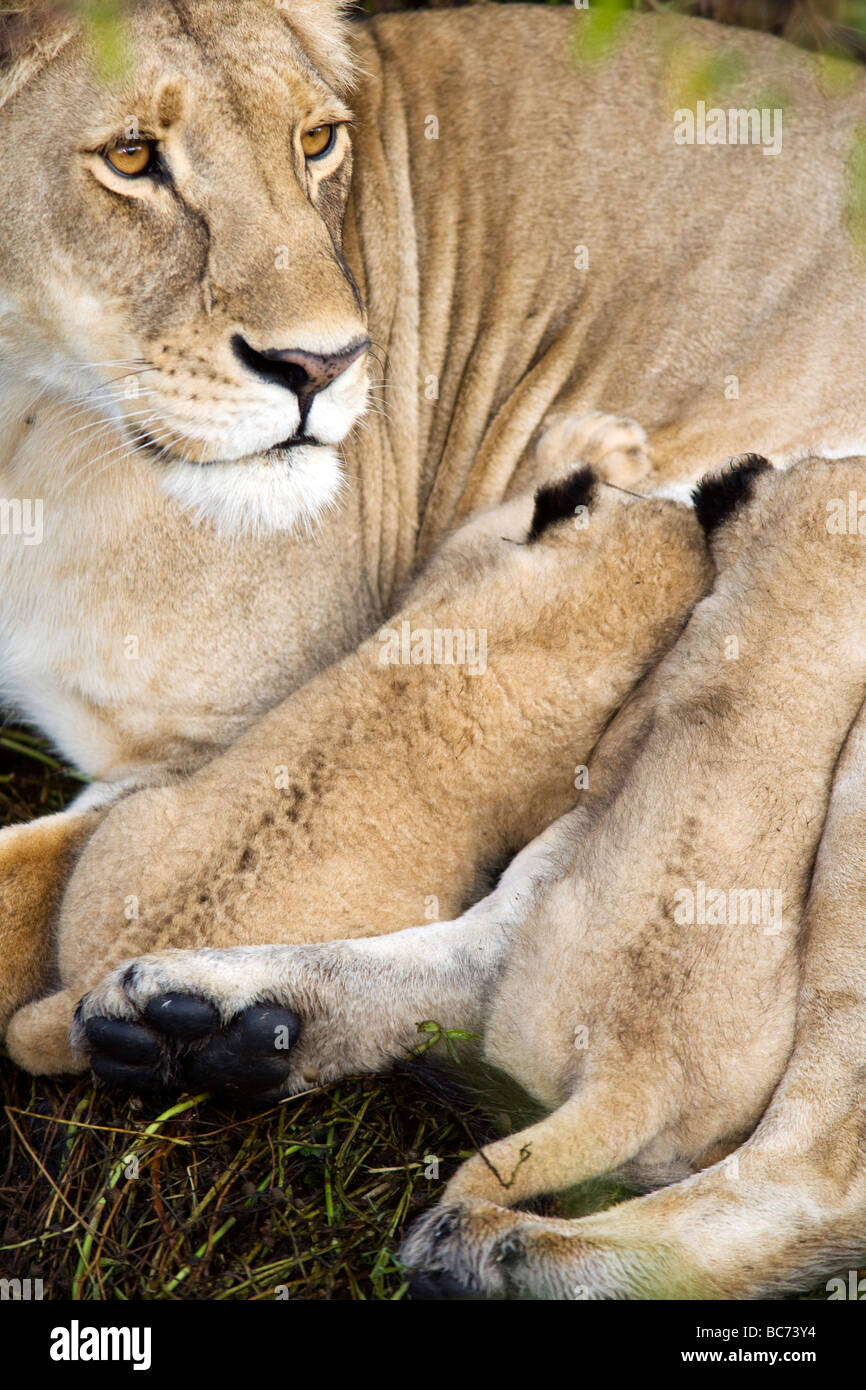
(614, 446)
(143, 1030)
(444, 1258)
(256, 1023)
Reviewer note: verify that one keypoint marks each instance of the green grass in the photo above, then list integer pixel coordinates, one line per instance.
(106, 1197)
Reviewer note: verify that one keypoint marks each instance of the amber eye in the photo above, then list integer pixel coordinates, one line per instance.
(318, 141)
(131, 157)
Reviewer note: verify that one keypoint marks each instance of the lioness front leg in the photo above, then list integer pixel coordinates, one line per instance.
(36, 859)
(266, 1021)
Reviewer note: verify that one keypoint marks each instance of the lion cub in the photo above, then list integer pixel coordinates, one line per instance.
(394, 786)
(649, 996)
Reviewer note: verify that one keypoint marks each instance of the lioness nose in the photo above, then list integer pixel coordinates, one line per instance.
(305, 373)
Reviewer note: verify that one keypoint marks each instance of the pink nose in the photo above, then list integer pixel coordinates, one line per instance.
(305, 373)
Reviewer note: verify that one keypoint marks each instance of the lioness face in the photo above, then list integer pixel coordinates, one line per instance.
(171, 246)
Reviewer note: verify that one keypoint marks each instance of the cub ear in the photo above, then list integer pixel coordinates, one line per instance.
(558, 501)
(718, 496)
(30, 36)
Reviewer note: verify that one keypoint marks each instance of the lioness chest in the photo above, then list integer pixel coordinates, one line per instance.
(139, 640)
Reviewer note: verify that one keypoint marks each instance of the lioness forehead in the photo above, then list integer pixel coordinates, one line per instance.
(255, 47)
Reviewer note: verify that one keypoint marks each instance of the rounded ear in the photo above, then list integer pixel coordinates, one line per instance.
(324, 30)
(30, 36)
(719, 495)
(558, 501)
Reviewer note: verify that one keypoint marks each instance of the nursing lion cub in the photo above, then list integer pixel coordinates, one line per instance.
(636, 970)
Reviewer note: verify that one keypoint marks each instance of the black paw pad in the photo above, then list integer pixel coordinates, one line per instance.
(182, 1016)
(121, 1040)
(559, 501)
(266, 1028)
(126, 1076)
(250, 1058)
(719, 495)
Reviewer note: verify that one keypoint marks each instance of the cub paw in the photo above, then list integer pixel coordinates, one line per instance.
(467, 1250)
(615, 447)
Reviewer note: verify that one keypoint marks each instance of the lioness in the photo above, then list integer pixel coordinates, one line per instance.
(193, 254)
(636, 969)
(205, 267)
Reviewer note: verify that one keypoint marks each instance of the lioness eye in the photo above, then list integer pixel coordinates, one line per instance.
(131, 157)
(318, 141)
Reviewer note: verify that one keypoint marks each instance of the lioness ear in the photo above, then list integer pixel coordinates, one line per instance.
(719, 495)
(322, 26)
(30, 37)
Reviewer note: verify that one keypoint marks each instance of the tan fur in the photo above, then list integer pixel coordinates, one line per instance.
(463, 251)
(690, 1027)
(383, 793)
(718, 771)
(476, 337)
(784, 1210)
(35, 861)
(143, 642)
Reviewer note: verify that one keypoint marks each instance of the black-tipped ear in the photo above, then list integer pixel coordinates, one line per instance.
(719, 495)
(559, 501)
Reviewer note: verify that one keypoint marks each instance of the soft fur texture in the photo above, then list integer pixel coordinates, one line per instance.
(722, 304)
(387, 790)
(463, 252)
(654, 1042)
